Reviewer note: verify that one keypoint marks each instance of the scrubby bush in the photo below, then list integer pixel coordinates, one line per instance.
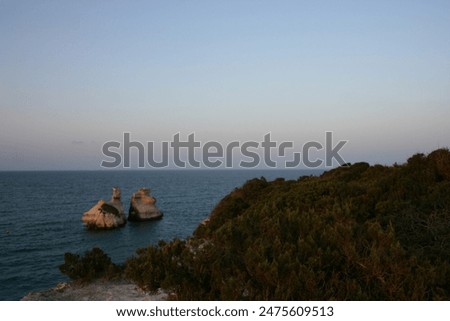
(358, 232)
(94, 264)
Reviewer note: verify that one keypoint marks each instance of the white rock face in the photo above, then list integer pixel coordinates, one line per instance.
(120, 290)
(142, 207)
(106, 215)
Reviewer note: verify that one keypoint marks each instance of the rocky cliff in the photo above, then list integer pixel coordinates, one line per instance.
(97, 291)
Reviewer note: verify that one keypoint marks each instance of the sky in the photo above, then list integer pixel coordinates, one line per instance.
(77, 74)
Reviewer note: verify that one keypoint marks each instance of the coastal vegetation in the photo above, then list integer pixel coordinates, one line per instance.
(94, 264)
(357, 232)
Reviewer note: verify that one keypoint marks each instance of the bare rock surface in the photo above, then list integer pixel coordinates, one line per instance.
(97, 291)
(142, 207)
(106, 215)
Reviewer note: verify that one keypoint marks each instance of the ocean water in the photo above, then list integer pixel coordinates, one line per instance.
(40, 216)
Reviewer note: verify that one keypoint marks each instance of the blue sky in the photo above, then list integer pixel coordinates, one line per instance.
(75, 74)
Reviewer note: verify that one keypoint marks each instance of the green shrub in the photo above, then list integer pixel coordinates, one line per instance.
(358, 232)
(93, 265)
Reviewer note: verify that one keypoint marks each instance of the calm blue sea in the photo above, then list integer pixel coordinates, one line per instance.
(40, 216)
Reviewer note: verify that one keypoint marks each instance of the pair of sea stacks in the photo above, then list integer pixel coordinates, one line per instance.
(108, 215)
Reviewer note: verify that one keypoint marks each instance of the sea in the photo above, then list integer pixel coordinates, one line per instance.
(40, 216)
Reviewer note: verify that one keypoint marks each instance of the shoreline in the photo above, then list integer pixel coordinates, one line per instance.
(100, 290)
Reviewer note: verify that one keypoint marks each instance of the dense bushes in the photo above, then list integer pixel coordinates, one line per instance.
(93, 265)
(357, 232)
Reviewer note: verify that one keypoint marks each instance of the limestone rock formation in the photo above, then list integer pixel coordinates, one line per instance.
(106, 215)
(142, 207)
(99, 290)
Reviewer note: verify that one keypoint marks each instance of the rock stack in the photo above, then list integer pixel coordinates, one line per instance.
(142, 207)
(106, 215)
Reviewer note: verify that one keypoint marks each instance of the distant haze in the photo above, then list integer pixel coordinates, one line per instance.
(75, 74)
